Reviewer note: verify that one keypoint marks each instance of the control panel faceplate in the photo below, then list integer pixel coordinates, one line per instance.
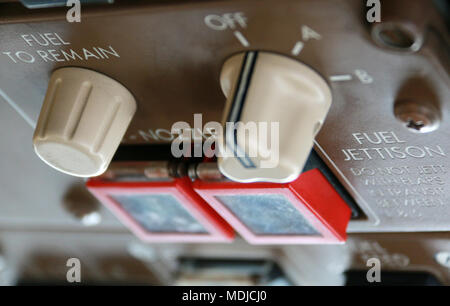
(398, 175)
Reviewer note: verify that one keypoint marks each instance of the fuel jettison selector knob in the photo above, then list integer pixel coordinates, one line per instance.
(82, 121)
(275, 107)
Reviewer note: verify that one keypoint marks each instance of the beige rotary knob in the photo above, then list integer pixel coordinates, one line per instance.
(82, 121)
(275, 107)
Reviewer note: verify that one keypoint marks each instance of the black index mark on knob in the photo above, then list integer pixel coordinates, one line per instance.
(237, 104)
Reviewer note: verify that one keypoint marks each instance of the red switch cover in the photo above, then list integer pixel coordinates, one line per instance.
(305, 211)
(162, 211)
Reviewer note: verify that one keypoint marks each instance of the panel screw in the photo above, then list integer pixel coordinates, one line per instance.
(443, 258)
(418, 118)
(396, 36)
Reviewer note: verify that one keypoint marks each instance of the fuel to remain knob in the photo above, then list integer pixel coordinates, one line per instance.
(82, 121)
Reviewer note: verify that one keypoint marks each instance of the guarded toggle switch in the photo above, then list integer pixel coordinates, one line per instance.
(306, 211)
(284, 101)
(162, 211)
(82, 121)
